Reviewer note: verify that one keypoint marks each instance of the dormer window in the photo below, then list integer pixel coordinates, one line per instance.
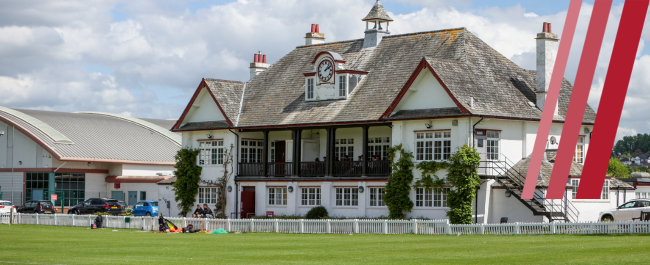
(309, 94)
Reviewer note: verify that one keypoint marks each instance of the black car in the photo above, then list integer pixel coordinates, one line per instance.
(97, 205)
(37, 206)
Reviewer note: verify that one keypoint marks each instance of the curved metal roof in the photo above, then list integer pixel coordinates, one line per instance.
(52, 133)
(158, 129)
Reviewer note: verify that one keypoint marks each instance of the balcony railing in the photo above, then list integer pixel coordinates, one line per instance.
(316, 169)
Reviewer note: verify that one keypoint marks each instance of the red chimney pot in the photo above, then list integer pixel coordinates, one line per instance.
(548, 28)
(256, 58)
(317, 29)
(313, 28)
(264, 58)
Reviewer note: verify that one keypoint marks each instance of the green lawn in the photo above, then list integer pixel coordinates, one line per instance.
(68, 245)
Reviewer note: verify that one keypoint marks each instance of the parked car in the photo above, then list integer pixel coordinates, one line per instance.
(37, 206)
(97, 205)
(124, 207)
(5, 207)
(145, 208)
(626, 211)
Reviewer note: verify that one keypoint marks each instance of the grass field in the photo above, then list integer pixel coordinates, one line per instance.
(70, 245)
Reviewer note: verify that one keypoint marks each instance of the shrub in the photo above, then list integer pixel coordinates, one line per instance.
(317, 213)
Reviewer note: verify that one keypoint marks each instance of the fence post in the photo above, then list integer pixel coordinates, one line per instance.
(55, 220)
(228, 225)
(277, 226)
(37, 219)
(302, 226)
(591, 228)
(448, 227)
(553, 228)
(252, 225)
(385, 226)
(329, 227)
(355, 229)
(415, 226)
(90, 222)
(482, 229)
(632, 228)
(517, 230)
(72, 220)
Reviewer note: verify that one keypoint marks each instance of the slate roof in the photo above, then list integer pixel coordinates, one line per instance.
(228, 93)
(100, 137)
(377, 12)
(546, 169)
(205, 125)
(465, 64)
(426, 113)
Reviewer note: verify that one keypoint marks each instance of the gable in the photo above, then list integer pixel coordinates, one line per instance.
(426, 92)
(204, 108)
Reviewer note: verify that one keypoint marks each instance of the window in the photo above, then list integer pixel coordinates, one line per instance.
(431, 197)
(278, 196)
(605, 194)
(342, 86)
(579, 155)
(310, 196)
(377, 197)
(493, 145)
(310, 88)
(433, 145)
(574, 184)
(143, 195)
(353, 81)
(378, 146)
(643, 195)
(344, 147)
(72, 185)
(208, 195)
(251, 151)
(272, 155)
(347, 196)
(211, 152)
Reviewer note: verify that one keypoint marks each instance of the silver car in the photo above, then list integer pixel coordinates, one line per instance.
(626, 211)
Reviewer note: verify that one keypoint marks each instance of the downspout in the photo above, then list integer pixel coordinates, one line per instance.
(474, 129)
(237, 167)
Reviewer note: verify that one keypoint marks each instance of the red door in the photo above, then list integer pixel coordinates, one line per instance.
(280, 150)
(248, 202)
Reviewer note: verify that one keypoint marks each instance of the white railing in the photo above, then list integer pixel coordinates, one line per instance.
(335, 226)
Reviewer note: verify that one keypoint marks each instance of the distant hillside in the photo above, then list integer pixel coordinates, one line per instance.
(633, 145)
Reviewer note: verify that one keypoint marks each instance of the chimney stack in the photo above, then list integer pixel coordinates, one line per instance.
(314, 37)
(547, 47)
(259, 64)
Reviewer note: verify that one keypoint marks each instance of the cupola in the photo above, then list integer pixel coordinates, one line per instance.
(374, 28)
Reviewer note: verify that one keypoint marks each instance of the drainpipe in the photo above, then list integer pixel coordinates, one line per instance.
(236, 185)
(474, 129)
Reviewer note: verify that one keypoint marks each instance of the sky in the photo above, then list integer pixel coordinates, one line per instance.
(145, 58)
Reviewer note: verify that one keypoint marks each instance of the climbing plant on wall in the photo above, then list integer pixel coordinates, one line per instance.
(188, 175)
(398, 186)
(429, 178)
(462, 175)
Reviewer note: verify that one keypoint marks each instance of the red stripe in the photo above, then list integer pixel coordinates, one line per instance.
(579, 97)
(551, 99)
(612, 99)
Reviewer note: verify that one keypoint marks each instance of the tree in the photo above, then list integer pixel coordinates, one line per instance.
(626, 155)
(188, 175)
(222, 183)
(398, 187)
(616, 169)
(462, 175)
(637, 152)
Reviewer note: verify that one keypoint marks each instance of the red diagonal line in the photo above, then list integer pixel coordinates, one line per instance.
(579, 97)
(551, 99)
(612, 99)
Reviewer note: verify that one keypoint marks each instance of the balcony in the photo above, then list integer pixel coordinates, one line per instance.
(316, 169)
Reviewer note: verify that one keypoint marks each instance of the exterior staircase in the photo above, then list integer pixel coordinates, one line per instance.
(506, 175)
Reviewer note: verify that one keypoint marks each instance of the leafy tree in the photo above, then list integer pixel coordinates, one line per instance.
(462, 174)
(626, 155)
(630, 144)
(398, 186)
(637, 152)
(188, 175)
(616, 169)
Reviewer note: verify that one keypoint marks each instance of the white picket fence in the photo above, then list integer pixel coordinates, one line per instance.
(335, 226)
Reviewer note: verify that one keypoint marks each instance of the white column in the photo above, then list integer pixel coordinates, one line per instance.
(361, 208)
(486, 203)
(292, 198)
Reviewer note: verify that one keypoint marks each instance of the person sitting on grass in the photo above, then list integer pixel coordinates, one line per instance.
(162, 224)
(207, 213)
(198, 212)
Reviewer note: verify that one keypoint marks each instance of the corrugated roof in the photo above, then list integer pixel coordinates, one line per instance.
(101, 138)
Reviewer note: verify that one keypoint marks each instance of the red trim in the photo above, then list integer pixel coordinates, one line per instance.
(323, 52)
(120, 179)
(61, 170)
(494, 130)
(31, 136)
(207, 140)
(345, 186)
(276, 186)
(83, 159)
(351, 72)
(202, 85)
(309, 74)
(310, 125)
(423, 64)
(432, 130)
(316, 180)
(309, 186)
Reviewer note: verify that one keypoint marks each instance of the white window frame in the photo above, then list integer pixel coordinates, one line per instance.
(347, 197)
(342, 85)
(277, 196)
(579, 154)
(251, 151)
(344, 147)
(211, 153)
(309, 89)
(433, 145)
(310, 196)
(642, 195)
(208, 195)
(377, 197)
(378, 146)
(604, 195)
(574, 183)
(492, 144)
(431, 198)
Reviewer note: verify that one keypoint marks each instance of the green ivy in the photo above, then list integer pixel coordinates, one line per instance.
(398, 186)
(188, 175)
(462, 174)
(429, 178)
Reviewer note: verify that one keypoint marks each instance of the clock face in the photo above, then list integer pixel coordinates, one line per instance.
(325, 70)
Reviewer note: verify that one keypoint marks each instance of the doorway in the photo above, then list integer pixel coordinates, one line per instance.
(480, 143)
(248, 202)
(133, 198)
(280, 159)
(117, 195)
